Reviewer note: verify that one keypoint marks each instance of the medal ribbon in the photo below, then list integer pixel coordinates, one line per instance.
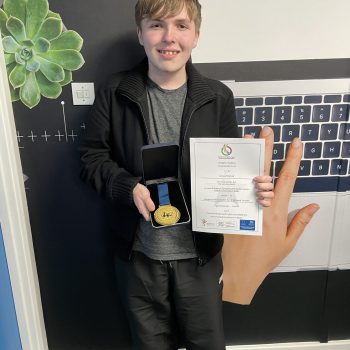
(163, 194)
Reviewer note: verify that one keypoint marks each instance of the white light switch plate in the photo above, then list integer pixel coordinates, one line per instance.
(83, 93)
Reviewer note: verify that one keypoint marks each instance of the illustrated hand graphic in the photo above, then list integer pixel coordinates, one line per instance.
(249, 259)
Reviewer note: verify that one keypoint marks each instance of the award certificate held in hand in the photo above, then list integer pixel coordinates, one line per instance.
(222, 187)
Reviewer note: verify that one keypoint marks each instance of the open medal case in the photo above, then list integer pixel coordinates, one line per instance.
(160, 165)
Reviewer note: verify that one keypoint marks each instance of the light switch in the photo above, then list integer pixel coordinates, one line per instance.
(83, 93)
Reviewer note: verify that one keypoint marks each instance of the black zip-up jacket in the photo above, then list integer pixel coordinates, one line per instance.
(118, 128)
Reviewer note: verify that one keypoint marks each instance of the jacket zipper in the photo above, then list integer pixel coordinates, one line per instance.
(200, 260)
(148, 140)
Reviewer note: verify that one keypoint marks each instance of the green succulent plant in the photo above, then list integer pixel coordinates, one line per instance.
(40, 54)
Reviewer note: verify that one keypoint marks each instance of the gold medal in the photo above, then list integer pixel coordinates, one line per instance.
(167, 215)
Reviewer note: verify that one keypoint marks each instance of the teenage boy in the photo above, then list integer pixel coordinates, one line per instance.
(169, 278)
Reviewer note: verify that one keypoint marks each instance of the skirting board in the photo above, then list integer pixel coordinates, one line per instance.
(332, 345)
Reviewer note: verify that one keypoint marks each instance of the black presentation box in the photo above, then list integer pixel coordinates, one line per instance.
(160, 165)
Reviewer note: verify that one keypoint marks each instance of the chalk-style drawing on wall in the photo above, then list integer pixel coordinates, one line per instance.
(40, 53)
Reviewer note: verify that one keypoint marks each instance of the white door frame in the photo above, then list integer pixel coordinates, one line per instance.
(16, 231)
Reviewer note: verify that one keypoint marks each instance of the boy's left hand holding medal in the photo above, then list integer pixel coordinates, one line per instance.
(143, 201)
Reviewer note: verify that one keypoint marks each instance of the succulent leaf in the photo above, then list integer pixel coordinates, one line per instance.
(68, 59)
(67, 40)
(50, 29)
(67, 78)
(3, 20)
(30, 92)
(18, 76)
(14, 94)
(28, 43)
(52, 71)
(53, 14)
(36, 12)
(42, 45)
(16, 8)
(10, 44)
(16, 27)
(9, 58)
(47, 88)
(33, 65)
(10, 67)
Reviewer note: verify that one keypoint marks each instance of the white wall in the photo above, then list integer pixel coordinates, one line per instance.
(263, 30)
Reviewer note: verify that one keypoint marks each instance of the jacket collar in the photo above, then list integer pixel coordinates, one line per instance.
(133, 85)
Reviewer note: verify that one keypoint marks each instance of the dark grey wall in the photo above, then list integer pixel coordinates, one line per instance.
(73, 247)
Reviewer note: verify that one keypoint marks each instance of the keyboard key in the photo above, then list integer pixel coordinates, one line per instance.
(346, 98)
(344, 131)
(301, 114)
(289, 132)
(329, 131)
(239, 101)
(252, 130)
(339, 166)
(293, 100)
(263, 115)
(312, 150)
(278, 151)
(331, 149)
(321, 113)
(340, 113)
(304, 168)
(310, 132)
(312, 99)
(320, 167)
(332, 99)
(345, 151)
(276, 132)
(272, 168)
(244, 116)
(273, 100)
(282, 115)
(254, 101)
(287, 147)
(278, 167)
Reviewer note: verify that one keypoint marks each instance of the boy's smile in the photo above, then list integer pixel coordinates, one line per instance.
(168, 43)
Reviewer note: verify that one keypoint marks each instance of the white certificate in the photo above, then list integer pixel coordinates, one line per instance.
(222, 187)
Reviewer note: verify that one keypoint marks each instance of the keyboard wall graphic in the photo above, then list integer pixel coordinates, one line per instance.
(317, 111)
(70, 223)
(320, 121)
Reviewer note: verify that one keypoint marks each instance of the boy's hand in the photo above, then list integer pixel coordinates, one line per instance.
(248, 259)
(263, 184)
(143, 201)
(264, 190)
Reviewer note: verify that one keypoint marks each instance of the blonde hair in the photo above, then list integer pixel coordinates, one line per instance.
(156, 9)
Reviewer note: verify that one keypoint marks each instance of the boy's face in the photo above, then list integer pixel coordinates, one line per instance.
(168, 43)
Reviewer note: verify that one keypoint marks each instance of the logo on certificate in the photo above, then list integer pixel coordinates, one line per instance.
(226, 150)
(247, 225)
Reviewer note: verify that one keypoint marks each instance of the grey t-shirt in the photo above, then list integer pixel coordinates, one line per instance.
(174, 242)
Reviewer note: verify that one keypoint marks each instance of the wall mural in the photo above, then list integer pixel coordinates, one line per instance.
(40, 53)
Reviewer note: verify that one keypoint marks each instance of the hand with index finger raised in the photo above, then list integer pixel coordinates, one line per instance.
(249, 259)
